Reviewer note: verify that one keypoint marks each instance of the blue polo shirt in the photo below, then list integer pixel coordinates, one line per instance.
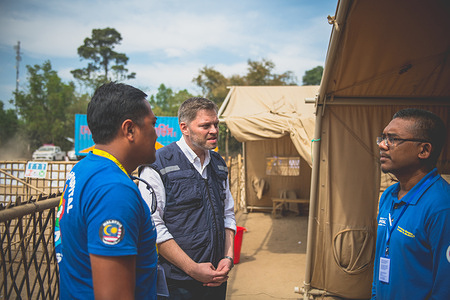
(419, 247)
(102, 212)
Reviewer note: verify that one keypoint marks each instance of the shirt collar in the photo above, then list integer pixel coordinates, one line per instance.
(433, 174)
(190, 154)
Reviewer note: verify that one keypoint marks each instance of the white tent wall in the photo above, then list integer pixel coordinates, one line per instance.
(383, 56)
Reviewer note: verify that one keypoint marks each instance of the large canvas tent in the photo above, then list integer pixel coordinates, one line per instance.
(276, 125)
(383, 56)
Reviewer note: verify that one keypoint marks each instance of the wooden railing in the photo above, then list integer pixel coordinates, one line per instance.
(28, 268)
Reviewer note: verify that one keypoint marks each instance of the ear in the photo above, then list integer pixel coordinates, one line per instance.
(184, 128)
(128, 129)
(425, 150)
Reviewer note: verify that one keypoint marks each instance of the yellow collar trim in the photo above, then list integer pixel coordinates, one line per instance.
(109, 156)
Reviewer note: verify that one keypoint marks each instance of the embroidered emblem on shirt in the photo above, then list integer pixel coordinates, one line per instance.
(407, 233)
(448, 254)
(111, 232)
(382, 221)
(59, 257)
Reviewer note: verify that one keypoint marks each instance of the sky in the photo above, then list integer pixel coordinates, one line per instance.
(167, 41)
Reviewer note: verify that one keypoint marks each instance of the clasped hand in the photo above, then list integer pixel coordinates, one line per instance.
(210, 276)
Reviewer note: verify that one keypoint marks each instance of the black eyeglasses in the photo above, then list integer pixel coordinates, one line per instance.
(391, 141)
(150, 190)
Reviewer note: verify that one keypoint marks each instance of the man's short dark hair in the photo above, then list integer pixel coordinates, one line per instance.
(112, 104)
(428, 126)
(189, 108)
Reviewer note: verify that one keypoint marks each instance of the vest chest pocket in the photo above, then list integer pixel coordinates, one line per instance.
(186, 205)
(223, 176)
(184, 192)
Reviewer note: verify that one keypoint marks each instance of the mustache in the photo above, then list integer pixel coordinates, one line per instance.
(383, 154)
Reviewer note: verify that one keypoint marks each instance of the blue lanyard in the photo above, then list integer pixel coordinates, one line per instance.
(417, 192)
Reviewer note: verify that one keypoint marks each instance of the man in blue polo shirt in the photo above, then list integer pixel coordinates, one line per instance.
(104, 234)
(412, 259)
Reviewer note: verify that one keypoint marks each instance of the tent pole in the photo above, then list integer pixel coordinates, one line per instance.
(312, 202)
(225, 102)
(244, 154)
(340, 18)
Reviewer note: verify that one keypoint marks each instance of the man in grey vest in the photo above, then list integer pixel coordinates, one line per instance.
(194, 218)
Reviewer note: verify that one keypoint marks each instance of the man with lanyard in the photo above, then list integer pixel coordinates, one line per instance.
(104, 234)
(412, 259)
(195, 214)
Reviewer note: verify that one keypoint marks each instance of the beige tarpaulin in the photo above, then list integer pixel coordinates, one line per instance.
(383, 56)
(275, 123)
(268, 112)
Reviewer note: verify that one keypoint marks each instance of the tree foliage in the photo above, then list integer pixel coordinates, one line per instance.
(261, 73)
(47, 107)
(313, 76)
(214, 85)
(105, 63)
(12, 145)
(8, 123)
(166, 102)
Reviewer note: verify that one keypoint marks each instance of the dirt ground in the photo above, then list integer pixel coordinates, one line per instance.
(273, 257)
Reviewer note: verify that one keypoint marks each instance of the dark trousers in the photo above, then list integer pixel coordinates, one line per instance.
(194, 290)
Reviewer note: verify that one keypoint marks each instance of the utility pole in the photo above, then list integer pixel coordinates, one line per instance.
(18, 59)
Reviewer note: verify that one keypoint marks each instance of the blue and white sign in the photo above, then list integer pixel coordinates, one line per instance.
(36, 169)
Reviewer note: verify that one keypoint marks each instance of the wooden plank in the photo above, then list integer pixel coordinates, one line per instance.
(290, 200)
(279, 202)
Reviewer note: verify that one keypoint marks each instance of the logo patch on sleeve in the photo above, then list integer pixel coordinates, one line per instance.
(111, 232)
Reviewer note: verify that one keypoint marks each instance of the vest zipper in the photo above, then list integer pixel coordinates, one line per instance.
(214, 213)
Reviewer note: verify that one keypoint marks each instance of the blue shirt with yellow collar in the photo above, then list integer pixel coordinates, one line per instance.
(419, 246)
(102, 212)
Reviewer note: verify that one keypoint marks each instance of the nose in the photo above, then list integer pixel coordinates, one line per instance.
(214, 129)
(383, 145)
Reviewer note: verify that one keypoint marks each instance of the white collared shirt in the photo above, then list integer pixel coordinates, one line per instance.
(155, 181)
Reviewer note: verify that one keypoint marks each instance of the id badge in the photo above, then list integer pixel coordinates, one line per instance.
(383, 273)
(161, 284)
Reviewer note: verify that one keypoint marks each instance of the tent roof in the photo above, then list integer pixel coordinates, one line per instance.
(266, 112)
(391, 50)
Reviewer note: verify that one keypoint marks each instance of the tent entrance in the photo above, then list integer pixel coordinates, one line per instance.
(275, 170)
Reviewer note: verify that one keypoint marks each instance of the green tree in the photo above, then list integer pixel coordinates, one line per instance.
(261, 73)
(106, 64)
(214, 87)
(213, 84)
(166, 102)
(8, 123)
(313, 76)
(46, 107)
(12, 145)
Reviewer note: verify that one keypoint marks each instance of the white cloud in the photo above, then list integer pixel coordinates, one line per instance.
(169, 41)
